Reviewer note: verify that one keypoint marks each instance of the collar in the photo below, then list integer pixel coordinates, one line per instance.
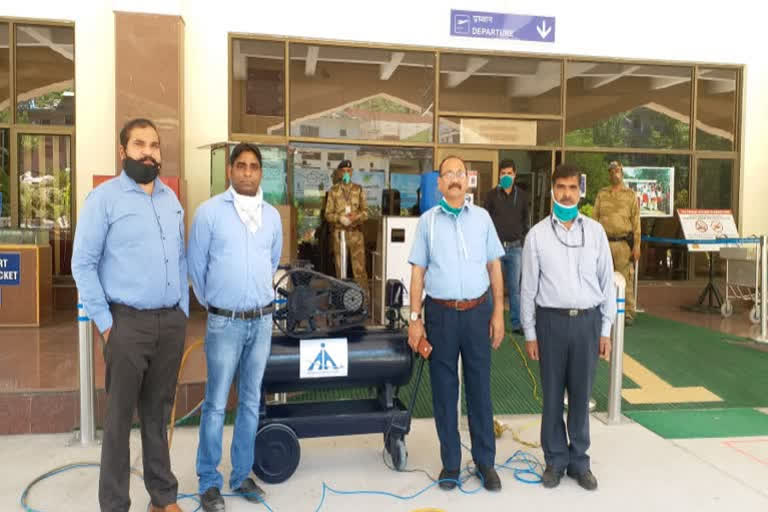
(465, 207)
(578, 220)
(127, 184)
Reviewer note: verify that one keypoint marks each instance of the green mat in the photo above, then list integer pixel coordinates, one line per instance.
(684, 424)
(680, 354)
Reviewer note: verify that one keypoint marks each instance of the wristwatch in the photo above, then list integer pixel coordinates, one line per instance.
(415, 316)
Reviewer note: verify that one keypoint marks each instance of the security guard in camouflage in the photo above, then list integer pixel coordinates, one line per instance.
(617, 210)
(346, 211)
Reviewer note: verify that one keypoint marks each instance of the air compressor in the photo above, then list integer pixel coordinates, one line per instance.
(321, 341)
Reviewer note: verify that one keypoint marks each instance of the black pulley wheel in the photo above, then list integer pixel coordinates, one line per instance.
(276, 453)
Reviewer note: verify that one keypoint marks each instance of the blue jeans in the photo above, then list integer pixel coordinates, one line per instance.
(511, 265)
(232, 346)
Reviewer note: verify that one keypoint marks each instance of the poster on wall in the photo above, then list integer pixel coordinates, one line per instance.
(373, 183)
(408, 185)
(472, 179)
(654, 188)
(707, 225)
(273, 175)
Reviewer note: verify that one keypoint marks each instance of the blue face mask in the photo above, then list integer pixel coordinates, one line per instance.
(506, 181)
(346, 178)
(565, 213)
(448, 208)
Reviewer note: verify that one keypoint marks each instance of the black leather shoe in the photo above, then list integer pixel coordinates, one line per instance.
(586, 479)
(212, 501)
(551, 477)
(250, 491)
(448, 479)
(491, 480)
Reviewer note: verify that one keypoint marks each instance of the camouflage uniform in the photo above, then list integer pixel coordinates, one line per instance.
(340, 197)
(619, 214)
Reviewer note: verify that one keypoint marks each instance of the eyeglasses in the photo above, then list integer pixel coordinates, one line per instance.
(453, 175)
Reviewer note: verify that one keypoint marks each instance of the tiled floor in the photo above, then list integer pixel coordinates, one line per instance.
(46, 359)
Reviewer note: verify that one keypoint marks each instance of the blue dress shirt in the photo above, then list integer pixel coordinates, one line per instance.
(230, 267)
(567, 269)
(129, 249)
(455, 251)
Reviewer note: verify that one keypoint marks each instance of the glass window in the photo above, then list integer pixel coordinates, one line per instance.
(658, 261)
(45, 75)
(5, 178)
(475, 83)
(716, 109)
(509, 132)
(5, 81)
(45, 192)
(258, 87)
(628, 105)
(375, 168)
(714, 184)
(361, 93)
(44, 181)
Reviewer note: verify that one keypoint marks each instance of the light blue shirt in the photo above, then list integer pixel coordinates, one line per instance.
(129, 249)
(455, 251)
(576, 277)
(230, 267)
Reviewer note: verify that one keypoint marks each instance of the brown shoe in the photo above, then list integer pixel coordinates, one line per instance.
(173, 507)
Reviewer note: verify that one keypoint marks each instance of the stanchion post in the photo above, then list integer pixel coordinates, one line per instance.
(343, 255)
(87, 434)
(617, 352)
(763, 285)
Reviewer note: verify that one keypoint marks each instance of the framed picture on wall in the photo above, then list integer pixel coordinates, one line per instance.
(654, 189)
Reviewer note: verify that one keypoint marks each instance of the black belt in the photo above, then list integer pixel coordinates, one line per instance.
(122, 307)
(243, 315)
(566, 311)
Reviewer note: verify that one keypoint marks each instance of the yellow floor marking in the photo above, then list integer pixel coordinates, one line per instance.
(654, 390)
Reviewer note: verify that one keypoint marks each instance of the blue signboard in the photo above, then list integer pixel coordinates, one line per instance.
(10, 269)
(495, 25)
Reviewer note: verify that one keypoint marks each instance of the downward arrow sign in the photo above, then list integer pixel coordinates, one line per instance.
(544, 30)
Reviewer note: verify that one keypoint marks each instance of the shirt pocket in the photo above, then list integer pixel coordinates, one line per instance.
(170, 223)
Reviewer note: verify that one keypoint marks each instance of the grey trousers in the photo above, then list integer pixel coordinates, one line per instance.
(568, 351)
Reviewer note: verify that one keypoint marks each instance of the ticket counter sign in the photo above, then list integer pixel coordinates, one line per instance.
(10, 269)
(707, 225)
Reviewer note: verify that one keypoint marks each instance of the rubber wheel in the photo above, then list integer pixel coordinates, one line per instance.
(276, 453)
(754, 314)
(726, 309)
(398, 452)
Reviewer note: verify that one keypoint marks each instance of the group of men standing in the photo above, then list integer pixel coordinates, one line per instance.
(559, 279)
(132, 267)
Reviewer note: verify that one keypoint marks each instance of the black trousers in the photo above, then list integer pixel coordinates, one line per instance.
(142, 364)
(568, 350)
(452, 333)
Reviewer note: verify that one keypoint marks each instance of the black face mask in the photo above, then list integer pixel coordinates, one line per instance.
(140, 172)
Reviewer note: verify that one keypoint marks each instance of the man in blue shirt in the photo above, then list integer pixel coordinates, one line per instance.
(234, 249)
(568, 304)
(131, 273)
(455, 257)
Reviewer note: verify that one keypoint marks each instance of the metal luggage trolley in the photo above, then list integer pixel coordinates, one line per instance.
(742, 279)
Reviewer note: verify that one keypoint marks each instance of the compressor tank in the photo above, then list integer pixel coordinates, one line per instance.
(376, 356)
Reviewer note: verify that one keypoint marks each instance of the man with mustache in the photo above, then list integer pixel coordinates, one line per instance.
(130, 267)
(616, 209)
(568, 303)
(234, 249)
(454, 258)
